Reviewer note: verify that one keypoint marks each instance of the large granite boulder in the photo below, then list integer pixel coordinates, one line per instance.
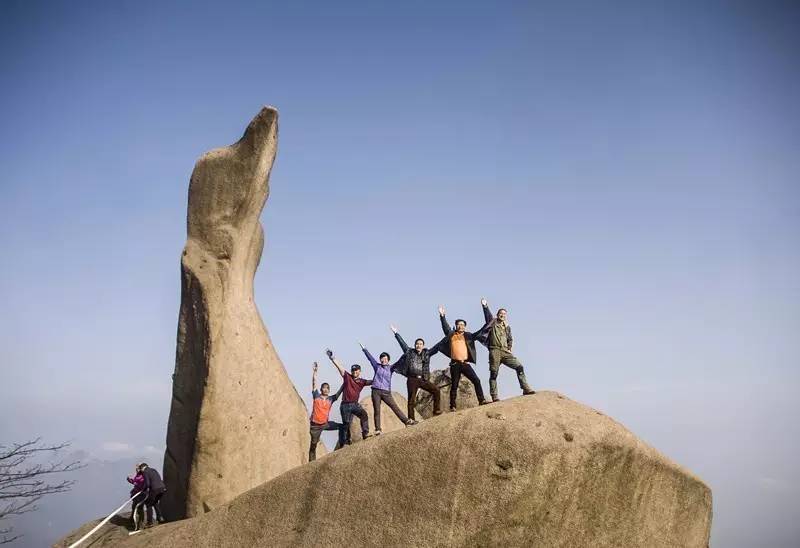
(465, 398)
(389, 421)
(236, 419)
(539, 471)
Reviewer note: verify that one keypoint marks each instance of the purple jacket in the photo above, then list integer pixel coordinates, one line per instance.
(382, 380)
(138, 483)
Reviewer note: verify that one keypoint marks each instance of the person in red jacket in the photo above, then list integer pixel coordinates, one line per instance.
(351, 390)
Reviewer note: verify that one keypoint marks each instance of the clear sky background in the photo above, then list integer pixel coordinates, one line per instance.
(624, 178)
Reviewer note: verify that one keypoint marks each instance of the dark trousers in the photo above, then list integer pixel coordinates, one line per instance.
(137, 510)
(379, 396)
(317, 430)
(463, 368)
(414, 384)
(348, 410)
(153, 501)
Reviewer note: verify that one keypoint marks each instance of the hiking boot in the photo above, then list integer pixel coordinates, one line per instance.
(484, 402)
(452, 409)
(437, 413)
(377, 433)
(528, 391)
(495, 399)
(411, 422)
(365, 435)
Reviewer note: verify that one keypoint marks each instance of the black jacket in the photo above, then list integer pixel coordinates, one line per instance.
(406, 364)
(443, 346)
(152, 481)
(486, 330)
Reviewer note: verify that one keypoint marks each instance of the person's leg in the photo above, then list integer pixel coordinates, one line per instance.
(412, 384)
(361, 413)
(386, 396)
(157, 507)
(137, 511)
(511, 361)
(347, 416)
(148, 506)
(455, 378)
(495, 357)
(468, 372)
(339, 427)
(376, 409)
(434, 391)
(315, 433)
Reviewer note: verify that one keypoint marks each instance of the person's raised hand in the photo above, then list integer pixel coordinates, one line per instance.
(316, 366)
(361, 345)
(484, 302)
(441, 310)
(329, 352)
(393, 328)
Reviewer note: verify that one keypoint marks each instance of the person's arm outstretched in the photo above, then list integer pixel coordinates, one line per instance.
(334, 361)
(445, 326)
(400, 340)
(370, 357)
(338, 393)
(487, 314)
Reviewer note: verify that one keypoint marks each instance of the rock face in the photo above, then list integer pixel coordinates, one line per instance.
(465, 399)
(389, 422)
(236, 420)
(536, 470)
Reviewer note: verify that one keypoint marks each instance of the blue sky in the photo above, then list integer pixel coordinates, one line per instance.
(624, 179)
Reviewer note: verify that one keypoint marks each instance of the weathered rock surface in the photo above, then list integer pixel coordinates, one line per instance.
(389, 422)
(465, 399)
(538, 470)
(236, 420)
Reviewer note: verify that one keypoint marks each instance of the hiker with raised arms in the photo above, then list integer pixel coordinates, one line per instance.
(382, 388)
(320, 414)
(497, 338)
(417, 369)
(459, 345)
(351, 390)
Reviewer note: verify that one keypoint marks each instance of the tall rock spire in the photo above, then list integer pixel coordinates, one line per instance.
(236, 419)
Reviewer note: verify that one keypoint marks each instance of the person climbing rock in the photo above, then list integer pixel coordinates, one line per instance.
(382, 388)
(497, 338)
(352, 386)
(459, 345)
(320, 414)
(155, 489)
(139, 496)
(416, 367)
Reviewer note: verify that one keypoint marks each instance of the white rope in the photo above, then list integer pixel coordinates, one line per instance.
(99, 525)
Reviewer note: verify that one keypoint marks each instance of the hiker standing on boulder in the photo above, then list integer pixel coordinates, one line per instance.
(459, 345)
(155, 489)
(497, 338)
(320, 414)
(351, 390)
(382, 388)
(417, 369)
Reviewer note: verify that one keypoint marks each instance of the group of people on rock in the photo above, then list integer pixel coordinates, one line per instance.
(458, 344)
(148, 488)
